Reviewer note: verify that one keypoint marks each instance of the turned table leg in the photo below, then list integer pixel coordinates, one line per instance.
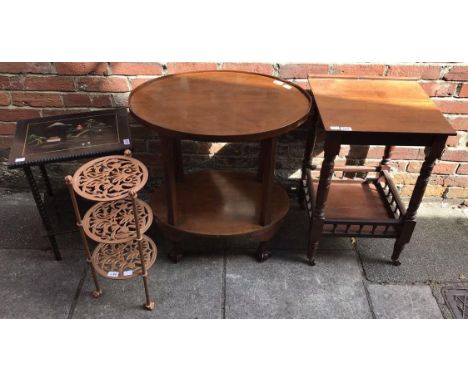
(309, 150)
(268, 160)
(42, 210)
(331, 150)
(433, 153)
(171, 163)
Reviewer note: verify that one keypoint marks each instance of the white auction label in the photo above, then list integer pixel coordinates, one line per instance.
(126, 141)
(346, 128)
(286, 86)
(128, 273)
(278, 82)
(20, 159)
(334, 127)
(113, 274)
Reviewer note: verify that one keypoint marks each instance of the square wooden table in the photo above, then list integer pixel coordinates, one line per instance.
(365, 111)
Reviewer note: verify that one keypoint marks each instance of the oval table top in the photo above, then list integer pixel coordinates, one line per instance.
(220, 105)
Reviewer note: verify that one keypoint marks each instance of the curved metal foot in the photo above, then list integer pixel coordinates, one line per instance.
(311, 261)
(262, 253)
(97, 293)
(150, 306)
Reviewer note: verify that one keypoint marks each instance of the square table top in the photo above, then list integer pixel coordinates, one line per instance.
(377, 106)
(68, 137)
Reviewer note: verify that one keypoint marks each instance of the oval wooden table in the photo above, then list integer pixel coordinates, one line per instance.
(219, 106)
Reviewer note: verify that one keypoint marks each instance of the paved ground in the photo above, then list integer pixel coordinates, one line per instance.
(221, 279)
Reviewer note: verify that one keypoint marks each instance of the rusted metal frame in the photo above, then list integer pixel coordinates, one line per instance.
(269, 161)
(42, 211)
(169, 177)
(69, 181)
(331, 150)
(149, 304)
(433, 152)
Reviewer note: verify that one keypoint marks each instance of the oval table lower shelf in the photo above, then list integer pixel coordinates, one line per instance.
(121, 261)
(219, 203)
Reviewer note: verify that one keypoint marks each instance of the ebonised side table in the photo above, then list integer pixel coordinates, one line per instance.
(42, 141)
(377, 111)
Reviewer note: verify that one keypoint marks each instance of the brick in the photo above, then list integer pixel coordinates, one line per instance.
(83, 100)
(459, 123)
(445, 168)
(7, 128)
(5, 141)
(359, 69)
(457, 73)
(249, 67)
(58, 111)
(302, 70)
(408, 153)
(455, 106)
(455, 155)
(456, 181)
(431, 190)
(453, 140)
(464, 91)
(10, 83)
(463, 169)
(136, 68)
(402, 178)
(457, 193)
(4, 99)
(135, 82)
(120, 99)
(103, 84)
(37, 99)
(13, 115)
(414, 166)
(25, 67)
(399, 165)
(425, 72)
(178, 67)
(439, 89)
(49, 83)
(82, 68)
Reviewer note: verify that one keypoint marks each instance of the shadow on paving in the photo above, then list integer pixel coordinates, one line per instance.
(438, 250)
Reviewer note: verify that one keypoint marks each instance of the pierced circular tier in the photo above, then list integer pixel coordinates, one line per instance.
(113, 222)
(122, 261)
(109, 178)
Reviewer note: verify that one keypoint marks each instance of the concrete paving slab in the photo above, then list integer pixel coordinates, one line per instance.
(34, 285)
(403, 301)
(286, 287)
(438, 250)
(192, 288)
(20, 223)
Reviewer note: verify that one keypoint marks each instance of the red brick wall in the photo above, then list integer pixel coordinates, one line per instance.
(30, 90)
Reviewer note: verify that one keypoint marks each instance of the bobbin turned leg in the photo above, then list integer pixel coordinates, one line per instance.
(331, 149)
(309, 149)
(149, 305)
(433, 153)
(69, 180)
